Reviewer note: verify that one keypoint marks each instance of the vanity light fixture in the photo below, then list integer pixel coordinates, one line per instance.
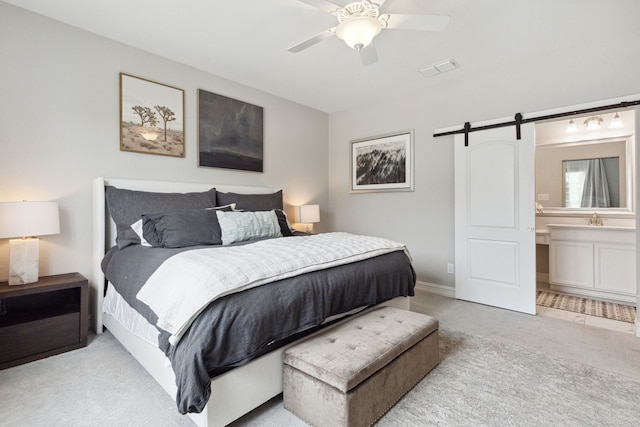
(616, 122)
(572, 127)
(593, 122)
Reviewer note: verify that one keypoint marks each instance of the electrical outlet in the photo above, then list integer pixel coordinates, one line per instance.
(450, 268)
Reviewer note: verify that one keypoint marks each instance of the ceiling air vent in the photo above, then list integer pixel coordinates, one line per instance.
(440, 67)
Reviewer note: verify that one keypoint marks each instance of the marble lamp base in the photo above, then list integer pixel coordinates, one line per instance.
(23, 260)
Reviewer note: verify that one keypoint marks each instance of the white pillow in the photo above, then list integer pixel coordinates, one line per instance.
(239, 226)
(137, 228)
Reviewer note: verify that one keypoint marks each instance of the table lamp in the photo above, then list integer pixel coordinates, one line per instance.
(308, 214)
(25, 220)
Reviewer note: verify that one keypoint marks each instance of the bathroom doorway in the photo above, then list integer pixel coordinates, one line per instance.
(568, 151)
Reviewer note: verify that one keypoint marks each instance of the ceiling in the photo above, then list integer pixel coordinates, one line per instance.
(247, 40)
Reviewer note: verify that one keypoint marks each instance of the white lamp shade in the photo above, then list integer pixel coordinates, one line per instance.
(358, 32)
(23, 219)
(616, 122)
(572, 127)
(308, 214)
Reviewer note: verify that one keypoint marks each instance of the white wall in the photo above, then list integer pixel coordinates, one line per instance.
(59, 110)
(423, 219)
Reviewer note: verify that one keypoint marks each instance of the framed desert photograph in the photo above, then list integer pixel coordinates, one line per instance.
(151, 117)
(382, 163)
(230, 133)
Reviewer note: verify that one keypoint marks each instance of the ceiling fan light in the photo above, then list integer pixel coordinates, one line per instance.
(358, 32)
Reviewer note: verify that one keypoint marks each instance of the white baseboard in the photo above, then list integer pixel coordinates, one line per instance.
(448, 291)
(445, 291)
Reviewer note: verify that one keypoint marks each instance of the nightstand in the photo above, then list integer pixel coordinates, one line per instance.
(43, 318)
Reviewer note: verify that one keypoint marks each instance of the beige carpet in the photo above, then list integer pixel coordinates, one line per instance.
(506, 368)
(608, 310)
(484, 382)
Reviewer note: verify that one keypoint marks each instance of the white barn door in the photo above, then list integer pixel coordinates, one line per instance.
(495, 218)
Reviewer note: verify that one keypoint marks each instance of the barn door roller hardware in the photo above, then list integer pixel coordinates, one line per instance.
(518, 120)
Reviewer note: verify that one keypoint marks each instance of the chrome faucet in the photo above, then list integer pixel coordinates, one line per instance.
(595, 220)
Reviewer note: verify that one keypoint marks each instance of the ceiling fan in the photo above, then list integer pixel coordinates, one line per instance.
(361, 21)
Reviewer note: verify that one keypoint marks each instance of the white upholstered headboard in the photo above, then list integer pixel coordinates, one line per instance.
(104, 229)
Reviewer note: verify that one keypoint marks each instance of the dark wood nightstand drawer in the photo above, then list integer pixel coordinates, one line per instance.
(43, 318)
(52, 334)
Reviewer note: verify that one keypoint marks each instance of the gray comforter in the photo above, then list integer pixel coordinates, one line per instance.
(240, 327)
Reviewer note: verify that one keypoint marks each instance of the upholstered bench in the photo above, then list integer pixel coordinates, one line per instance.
(353, 373)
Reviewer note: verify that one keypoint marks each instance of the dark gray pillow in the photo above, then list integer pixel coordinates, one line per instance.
(182, 229)
(251, 202)
(127, 206)
(285, 229)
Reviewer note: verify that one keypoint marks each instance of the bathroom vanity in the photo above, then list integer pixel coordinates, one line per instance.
(595, 261)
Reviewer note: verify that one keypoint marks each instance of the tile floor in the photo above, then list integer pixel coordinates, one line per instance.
(583, 319)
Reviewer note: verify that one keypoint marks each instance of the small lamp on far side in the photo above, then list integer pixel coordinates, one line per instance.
(25, 220)
(308, 215)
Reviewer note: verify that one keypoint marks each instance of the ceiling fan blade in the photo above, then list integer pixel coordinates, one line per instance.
(313, 40)
(324, 5)
(384, 6)
(418, 22)
(368, 55)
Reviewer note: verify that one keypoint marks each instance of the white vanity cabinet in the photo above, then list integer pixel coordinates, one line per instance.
(596, 261)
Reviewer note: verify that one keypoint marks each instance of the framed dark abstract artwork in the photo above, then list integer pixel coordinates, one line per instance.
(230, 133)
(382, 163)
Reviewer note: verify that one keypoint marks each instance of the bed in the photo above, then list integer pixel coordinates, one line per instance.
(237, 389)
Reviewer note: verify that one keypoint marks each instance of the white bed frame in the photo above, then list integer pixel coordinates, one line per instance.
(234, 393)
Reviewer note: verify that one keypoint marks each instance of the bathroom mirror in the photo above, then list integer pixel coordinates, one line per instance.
(592, 183)
(561, 170)
(561, 158)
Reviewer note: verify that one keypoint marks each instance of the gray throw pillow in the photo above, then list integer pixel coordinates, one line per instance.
(251, 202)
(182, 229)
(127, 206)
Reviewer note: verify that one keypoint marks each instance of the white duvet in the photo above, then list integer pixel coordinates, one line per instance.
(186, 283)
